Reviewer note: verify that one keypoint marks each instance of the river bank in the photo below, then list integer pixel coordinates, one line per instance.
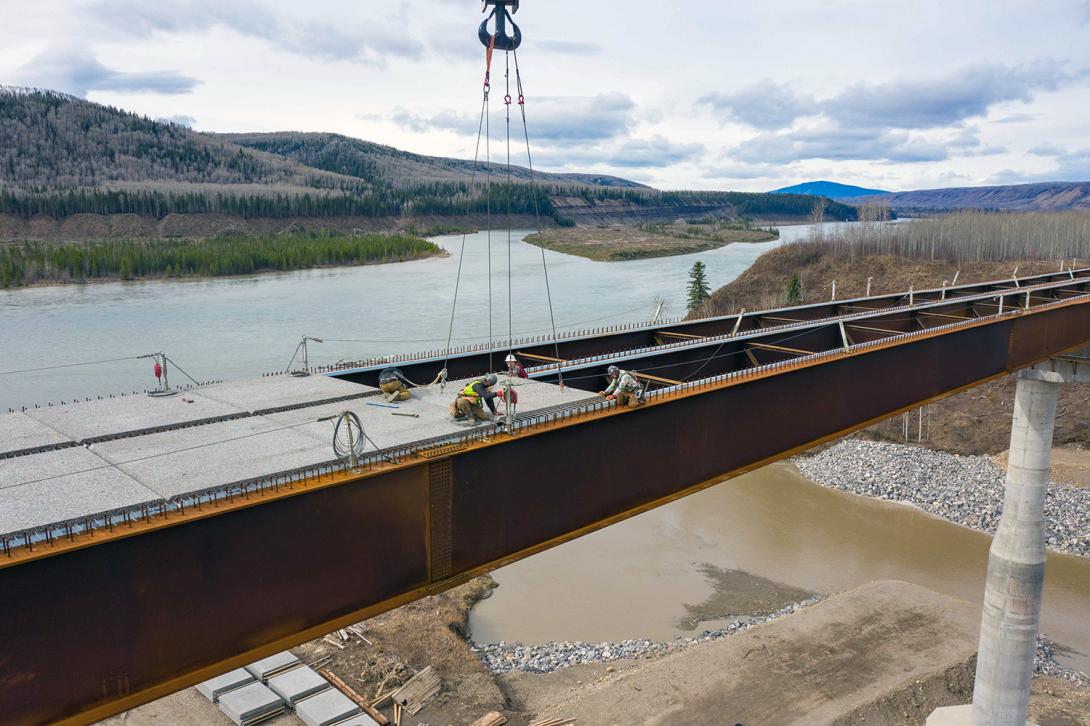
(966, 490)
(619, 243)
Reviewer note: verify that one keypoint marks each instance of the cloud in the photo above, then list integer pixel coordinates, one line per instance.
(75, 70)
(569, 47)
(901, 104)
(654, 152)
(347, 40)
(837, 143)
(938, 102)
(765, 105)
(551, 120)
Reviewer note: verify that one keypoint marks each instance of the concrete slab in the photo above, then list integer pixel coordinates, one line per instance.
(430, 404)
(327, 708)
(259, 394)
(56, 486)
(200, 457)
(253, 702)
(91, 419)
(361, 720)
(213, 688)
(296, 684)
(273, 665)
(955, 716)
(19, 431)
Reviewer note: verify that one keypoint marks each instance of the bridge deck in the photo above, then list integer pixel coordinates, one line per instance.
(125, 453)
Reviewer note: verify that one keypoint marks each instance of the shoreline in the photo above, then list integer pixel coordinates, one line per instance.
(39, 284)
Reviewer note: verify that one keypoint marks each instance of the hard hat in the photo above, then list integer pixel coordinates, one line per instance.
(510, 358)
(613, 371)
(490, 380)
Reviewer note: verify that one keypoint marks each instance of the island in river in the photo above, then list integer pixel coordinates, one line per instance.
(623, 242)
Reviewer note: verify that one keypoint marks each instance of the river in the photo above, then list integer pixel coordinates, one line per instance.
(634, 579)
(226, 328)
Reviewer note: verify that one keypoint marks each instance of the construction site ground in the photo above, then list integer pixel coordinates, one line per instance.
(888, 652)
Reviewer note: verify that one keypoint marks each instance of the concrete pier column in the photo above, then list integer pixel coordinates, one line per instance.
(1016, 561)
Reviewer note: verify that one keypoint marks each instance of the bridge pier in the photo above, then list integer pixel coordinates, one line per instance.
(1016, 561)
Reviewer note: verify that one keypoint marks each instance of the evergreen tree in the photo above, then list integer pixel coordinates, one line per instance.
(793, 295)
(699, 291)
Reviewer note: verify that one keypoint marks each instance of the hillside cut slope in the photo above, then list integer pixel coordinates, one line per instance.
(1045, 196)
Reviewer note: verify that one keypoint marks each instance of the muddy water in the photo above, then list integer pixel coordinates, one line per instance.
(635, 579)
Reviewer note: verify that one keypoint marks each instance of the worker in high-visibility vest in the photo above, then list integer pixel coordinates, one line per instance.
(472, 400)
(394, 385)
(623, 387)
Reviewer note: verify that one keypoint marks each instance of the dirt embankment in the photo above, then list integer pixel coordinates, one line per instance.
(87, 227)
(977, 421)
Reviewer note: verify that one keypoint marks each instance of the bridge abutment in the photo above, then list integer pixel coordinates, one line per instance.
(1016, 561)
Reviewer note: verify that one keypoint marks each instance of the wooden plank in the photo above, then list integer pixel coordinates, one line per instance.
(492, 718)
(545, 358)
(657, 379)
(376, 715)
(779, 348)
(417, 690)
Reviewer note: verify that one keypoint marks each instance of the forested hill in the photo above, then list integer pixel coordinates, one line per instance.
(62, 156)
(54, 141)
(385, 164)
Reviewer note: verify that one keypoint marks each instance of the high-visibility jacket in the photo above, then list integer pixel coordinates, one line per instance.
(470, 392)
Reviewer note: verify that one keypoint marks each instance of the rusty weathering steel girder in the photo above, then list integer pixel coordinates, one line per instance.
(108, 620)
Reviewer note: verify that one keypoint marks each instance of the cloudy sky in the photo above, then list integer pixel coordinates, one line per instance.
(704, 94)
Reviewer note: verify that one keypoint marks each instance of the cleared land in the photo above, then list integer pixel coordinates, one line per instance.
(619, 243)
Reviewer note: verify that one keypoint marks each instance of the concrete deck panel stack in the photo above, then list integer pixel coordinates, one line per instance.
(19, 431)
(327, 708)
(213, 688)
(56, 486)
(250, 704)
(296, 684)
(361, 720)
(266, 668)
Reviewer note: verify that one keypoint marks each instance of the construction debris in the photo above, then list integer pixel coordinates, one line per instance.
(493, 718)
(417, 691)
(554, 722)
(356, 698)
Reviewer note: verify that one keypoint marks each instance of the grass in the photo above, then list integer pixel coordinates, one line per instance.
(620, 243)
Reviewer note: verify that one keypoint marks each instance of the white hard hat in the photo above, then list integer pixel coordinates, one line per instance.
(511, 358)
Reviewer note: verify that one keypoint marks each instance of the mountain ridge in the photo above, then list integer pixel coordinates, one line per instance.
(832, 190)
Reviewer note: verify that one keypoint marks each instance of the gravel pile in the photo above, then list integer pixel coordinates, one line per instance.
(1044, 663)
(504, 657)
(963, 489)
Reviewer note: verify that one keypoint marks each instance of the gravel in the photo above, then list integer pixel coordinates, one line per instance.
(504, 657)
(967, 490)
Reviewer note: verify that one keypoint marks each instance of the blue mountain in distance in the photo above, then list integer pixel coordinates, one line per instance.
(833, 190)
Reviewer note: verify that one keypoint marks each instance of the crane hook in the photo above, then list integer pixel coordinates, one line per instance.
(500, 12)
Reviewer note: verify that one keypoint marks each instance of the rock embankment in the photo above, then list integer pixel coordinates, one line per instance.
(967, 490)
(504, 657)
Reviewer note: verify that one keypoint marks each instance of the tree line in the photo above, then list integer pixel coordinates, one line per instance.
(30, 262)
